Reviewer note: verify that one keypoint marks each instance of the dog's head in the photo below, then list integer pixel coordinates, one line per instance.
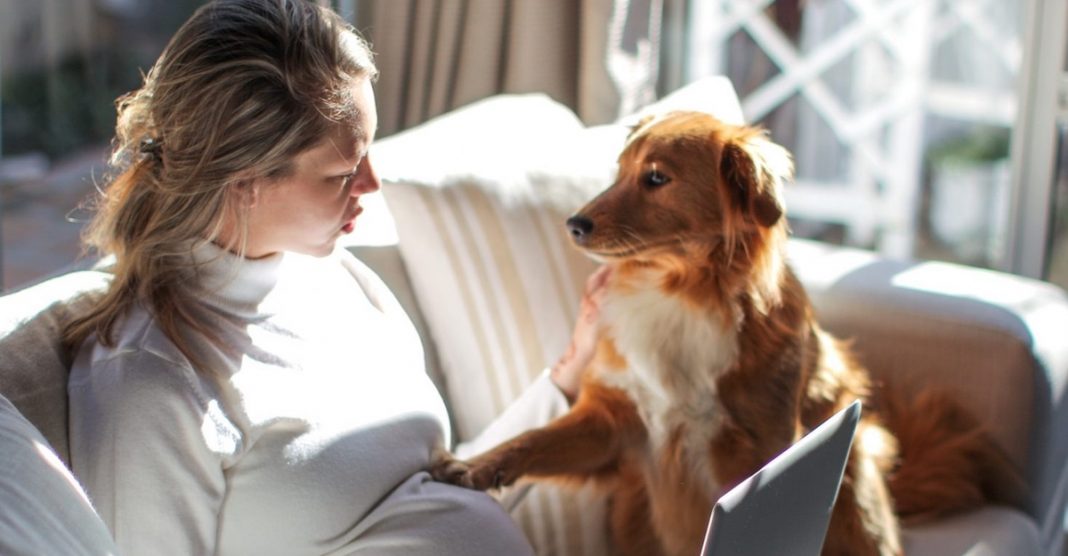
(699, 198)
(685, 179)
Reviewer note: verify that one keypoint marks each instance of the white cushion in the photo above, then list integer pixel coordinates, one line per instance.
(43, 509)
(988, 531)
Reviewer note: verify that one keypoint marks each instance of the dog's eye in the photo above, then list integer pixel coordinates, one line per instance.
(655, 178)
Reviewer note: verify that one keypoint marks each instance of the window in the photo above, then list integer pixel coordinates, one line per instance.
(900, 114)
(1033, 242)
(62, 64)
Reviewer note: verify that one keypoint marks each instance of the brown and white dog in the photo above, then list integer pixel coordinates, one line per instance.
(710, 362)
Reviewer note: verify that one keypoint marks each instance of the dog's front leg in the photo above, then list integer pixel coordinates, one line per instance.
(588, 439)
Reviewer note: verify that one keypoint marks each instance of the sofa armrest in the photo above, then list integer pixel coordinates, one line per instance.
(33, 363)
(997, 339)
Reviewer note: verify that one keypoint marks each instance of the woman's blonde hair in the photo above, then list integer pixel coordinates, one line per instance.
(241, 89)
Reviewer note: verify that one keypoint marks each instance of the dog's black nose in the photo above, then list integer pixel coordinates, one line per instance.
(580, 228)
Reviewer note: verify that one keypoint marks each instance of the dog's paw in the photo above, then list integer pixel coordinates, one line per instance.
(478, 474)
(448, 469)
(485, 473)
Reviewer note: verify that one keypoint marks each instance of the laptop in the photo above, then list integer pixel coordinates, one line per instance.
(785, 507)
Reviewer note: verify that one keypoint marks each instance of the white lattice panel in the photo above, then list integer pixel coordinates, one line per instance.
(884, 50)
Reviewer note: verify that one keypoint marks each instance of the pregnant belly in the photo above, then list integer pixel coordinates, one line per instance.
(298, 488)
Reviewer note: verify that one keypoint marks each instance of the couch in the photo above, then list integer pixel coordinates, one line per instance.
(468, 233)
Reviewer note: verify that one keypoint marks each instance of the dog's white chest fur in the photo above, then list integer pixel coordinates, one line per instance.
(674, 353)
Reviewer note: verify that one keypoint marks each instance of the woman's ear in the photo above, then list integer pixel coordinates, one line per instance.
(246, 190)
(753, 169)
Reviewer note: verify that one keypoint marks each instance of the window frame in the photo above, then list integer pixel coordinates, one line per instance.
(1043, 104)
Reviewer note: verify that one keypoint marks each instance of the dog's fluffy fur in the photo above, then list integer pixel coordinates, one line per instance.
(710, 363)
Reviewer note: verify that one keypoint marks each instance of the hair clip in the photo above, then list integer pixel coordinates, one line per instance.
(152, 147)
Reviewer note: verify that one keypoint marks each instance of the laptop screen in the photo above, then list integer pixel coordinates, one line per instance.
(785, 507)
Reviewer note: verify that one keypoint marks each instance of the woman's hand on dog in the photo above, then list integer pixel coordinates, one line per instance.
(567, 372)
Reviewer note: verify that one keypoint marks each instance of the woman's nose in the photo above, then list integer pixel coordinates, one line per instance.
(366, 179)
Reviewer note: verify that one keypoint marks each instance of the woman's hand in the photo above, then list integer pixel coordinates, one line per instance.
(567, 372)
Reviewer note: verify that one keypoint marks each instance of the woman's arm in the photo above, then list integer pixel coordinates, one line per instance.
(148, 446)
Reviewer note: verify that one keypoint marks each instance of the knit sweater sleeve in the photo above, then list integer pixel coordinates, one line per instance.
(148, 446)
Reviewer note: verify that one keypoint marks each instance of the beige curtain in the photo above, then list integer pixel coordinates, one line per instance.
(437, 55)
(674, 59)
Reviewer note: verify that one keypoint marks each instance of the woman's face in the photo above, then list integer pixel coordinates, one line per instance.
(309, 209)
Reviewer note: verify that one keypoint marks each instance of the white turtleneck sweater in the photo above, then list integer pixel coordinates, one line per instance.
(308, 435)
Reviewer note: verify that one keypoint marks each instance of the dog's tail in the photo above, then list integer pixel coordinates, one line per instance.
(948, 461)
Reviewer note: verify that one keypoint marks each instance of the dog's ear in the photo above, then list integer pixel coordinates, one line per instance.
(754, 169)
(640, 124)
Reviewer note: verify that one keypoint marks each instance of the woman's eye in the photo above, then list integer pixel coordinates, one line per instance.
(655, 178)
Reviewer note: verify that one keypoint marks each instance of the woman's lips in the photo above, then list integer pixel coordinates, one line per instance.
(350, 224)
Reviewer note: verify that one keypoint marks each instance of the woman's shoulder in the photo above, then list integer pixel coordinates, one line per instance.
(141, 367)
(140, 333)
(142, 385)
(138, 342)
